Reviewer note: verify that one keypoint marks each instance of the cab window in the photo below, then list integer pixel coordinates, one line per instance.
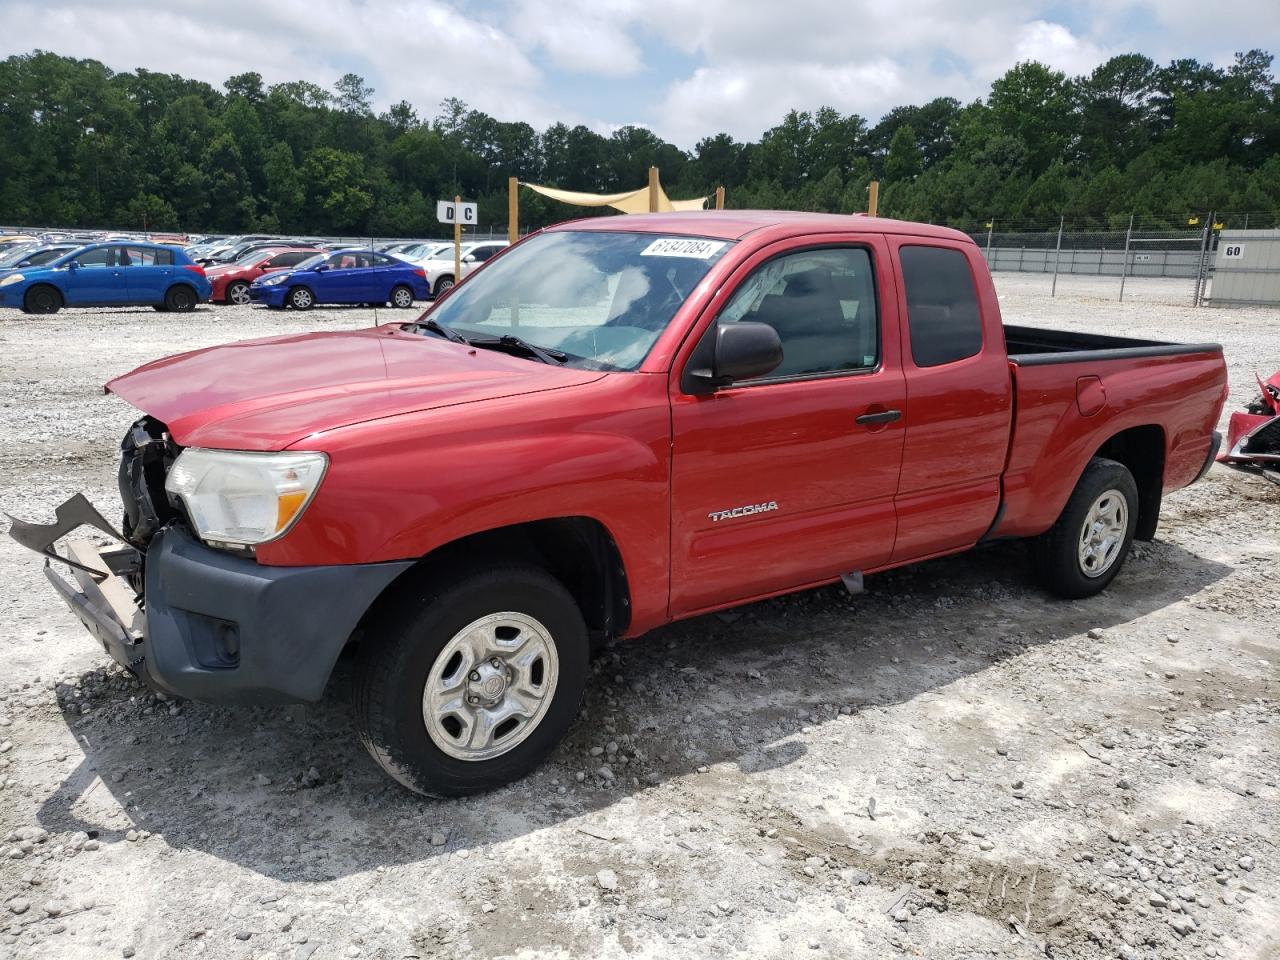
(822, 303)
(942, 305)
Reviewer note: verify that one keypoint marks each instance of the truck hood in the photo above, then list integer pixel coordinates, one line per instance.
(271, 393)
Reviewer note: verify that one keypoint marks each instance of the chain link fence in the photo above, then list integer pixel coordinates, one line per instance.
(1141, 261)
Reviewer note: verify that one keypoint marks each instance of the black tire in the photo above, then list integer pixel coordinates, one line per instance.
(238, 293)
(42, 298)
(443, 284)
(180, 299)
(159, 308)
(402, 296)
(301, 298)
(402, 643)
(1058, 554)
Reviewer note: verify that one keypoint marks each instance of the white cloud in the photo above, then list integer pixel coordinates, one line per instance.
(581, 36)
(434, 51)
(1056, 46)
(748, 61)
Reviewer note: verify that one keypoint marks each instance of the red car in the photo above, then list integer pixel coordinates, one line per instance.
(231, 281)
(615, 423)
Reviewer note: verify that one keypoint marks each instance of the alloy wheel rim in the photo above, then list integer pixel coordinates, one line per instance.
(239, 294)
(490, 686)
(403, 298)
(302, 299)
(1103, 533)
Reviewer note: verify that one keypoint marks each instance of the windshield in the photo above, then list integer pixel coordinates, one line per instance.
(253, 256)
(602, 298)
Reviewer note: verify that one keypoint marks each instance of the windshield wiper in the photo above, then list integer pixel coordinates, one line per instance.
(511, 342)
(440, 329)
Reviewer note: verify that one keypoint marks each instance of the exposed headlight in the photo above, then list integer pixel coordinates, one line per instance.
(244, 498)
(12, 278)
(274, 279)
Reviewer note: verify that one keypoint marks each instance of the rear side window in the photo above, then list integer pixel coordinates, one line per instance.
(942, 305)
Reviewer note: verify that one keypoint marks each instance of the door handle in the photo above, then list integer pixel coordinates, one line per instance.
(884, 416)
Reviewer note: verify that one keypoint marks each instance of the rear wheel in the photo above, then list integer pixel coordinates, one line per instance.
(300, 298)
(180, 299)
(238, 293)
(42, 299)
(1084, 551)
(402, 297)
(443, 284)
(468, 685)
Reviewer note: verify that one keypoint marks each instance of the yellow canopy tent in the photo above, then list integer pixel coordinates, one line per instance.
(635, 201)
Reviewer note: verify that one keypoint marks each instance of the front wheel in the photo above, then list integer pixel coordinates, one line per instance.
(1082, 553)
(238, 293)
(42, 299)
(300, 298)
(402, 297)
(443, 284)
(467, 686)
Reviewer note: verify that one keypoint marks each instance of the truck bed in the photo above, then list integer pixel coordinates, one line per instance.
(1076, 393)
(1036, 346)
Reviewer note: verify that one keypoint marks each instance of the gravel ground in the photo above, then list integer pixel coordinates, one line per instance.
(950, 764)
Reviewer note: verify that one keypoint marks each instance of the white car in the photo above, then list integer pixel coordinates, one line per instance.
(439, 264)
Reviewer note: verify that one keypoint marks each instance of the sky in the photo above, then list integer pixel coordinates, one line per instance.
(684, 68)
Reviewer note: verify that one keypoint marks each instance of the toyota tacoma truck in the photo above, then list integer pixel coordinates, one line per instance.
(614, 424)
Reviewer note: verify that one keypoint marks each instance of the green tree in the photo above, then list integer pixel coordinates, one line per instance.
(903, 161)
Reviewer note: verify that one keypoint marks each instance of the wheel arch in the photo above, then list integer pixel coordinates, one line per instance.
(1142, 450)
(579, 551)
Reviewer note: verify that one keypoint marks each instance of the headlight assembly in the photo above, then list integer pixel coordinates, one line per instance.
(272, 281)
(244, 498)
(12, 278)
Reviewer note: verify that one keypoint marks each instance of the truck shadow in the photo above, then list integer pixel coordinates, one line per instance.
(290, 794)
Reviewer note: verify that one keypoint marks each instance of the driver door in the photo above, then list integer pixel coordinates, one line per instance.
(789, 480)
(98, 280)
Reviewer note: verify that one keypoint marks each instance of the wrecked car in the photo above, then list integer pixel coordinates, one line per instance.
(1253, 435)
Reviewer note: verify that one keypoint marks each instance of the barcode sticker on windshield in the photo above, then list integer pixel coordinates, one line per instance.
(683, 247)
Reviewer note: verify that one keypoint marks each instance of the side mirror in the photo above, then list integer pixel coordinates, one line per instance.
(732, 352)
(320, 268)
(73, 264)
(469, 258)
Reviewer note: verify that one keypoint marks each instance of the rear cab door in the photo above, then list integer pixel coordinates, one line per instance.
(789, 479)
(959, 396)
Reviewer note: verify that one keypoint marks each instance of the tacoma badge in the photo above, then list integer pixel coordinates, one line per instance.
(717, 515)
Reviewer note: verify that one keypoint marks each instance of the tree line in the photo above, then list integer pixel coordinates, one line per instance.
(81, 145)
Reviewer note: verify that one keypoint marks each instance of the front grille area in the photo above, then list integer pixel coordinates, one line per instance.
(146, 454)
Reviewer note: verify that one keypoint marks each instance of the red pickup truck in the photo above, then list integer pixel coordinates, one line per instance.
(615, 424)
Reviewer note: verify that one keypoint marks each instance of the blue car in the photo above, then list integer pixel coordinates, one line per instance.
(108, 275)
(344, 276)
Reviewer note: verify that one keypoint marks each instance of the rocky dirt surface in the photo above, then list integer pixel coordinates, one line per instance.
(950, 765)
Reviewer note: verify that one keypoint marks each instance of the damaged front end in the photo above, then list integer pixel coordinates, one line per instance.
(104, 586)
(1253, 435)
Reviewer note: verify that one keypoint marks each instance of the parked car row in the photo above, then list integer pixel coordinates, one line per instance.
(43, 274)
